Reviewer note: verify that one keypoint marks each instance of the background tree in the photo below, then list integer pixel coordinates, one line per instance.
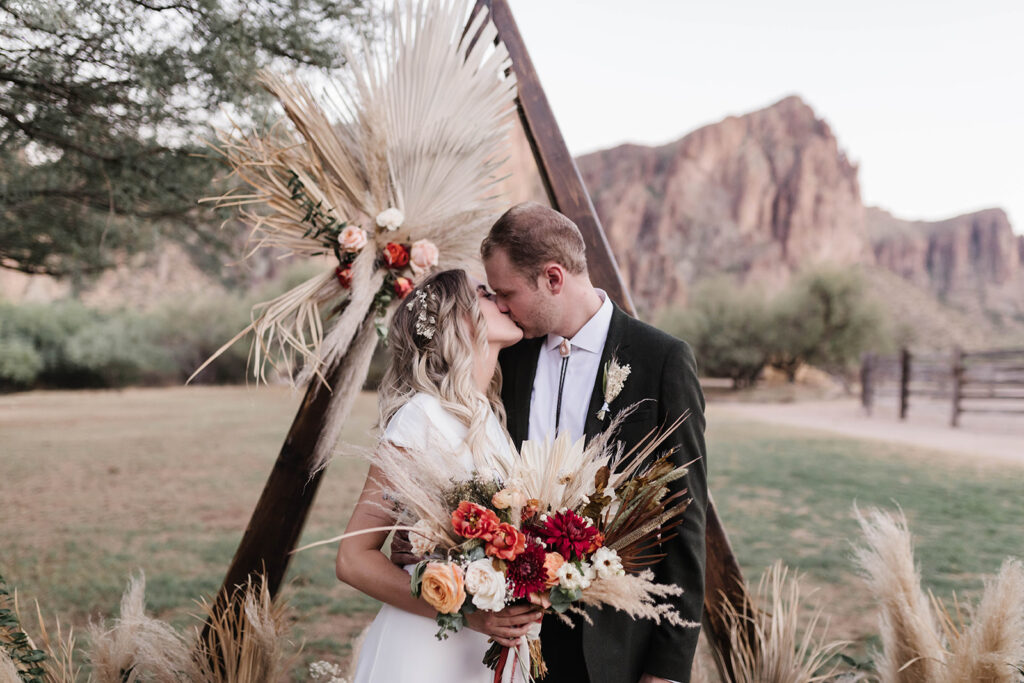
(728, 329)
(104, 105)
(826, 319)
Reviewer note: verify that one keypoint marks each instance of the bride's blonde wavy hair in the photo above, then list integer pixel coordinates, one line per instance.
(441, 365)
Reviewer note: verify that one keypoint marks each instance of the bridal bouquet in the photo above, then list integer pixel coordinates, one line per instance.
(563, 527)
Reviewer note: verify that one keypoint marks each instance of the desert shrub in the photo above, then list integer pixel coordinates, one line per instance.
(190, 330)
(47, 328)
(120, 348)
(20, 363)
(727, 328)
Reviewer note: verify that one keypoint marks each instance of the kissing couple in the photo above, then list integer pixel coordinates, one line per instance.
(489, 365)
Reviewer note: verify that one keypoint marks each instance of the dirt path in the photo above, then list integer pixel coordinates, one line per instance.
(997, 438)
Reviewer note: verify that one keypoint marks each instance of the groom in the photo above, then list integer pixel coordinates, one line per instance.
(536, 266)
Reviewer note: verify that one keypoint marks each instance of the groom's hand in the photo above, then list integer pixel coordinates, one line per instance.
(508, 625)
(401, 550)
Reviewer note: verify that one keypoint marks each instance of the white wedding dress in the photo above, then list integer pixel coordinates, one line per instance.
(401, 647)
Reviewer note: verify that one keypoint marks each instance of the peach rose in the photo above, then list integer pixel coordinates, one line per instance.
(443, 587)
(423, 255)
(352, 238)
(552, 563)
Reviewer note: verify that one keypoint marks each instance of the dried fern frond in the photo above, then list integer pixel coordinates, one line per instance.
(8, 671)
(778, 653)
(420, 122)
(912, 649)
(137, 647)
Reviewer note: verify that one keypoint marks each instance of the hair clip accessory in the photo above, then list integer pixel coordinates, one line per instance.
(426, 321)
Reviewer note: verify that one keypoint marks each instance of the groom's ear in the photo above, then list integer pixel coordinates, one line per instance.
(553, 277)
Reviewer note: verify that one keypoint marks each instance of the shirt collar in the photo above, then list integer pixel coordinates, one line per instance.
(593, 334)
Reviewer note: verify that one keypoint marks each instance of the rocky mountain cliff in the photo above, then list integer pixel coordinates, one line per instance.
(762, 195)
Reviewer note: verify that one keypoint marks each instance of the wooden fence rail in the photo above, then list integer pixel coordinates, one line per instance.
(975, 382)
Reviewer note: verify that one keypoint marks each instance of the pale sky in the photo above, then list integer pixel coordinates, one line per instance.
(927, 97)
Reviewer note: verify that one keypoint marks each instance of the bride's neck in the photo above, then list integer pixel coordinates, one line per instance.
(483, 371)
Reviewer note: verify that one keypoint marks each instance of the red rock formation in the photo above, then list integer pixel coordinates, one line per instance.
(756, 195)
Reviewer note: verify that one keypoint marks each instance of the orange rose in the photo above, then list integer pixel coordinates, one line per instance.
(596, 542)
(506, 542)
(443, 587)
(474, 521)
(552, 561)
(403, 286)
(395, 255)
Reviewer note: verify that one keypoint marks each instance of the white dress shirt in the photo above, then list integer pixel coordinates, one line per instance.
(581, 373)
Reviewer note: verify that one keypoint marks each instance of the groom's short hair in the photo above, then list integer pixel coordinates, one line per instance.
(532, 235)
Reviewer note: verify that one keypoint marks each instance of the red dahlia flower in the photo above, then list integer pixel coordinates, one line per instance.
(569, 535)
(506, 542)
(474, 521)
(527, 571)
(395, 255)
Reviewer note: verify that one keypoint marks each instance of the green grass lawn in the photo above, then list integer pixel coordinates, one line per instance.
(96, 485)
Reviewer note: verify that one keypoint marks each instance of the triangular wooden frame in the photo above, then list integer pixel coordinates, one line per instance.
(280, 514)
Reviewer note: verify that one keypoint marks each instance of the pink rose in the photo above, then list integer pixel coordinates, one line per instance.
(423, 255)
(352, 238)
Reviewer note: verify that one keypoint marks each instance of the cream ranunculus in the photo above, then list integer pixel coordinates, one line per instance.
(486, 584)
(390, 219)
(508, 497)
(422, 538)
(352, 238)
(607, 563)
(423, 255)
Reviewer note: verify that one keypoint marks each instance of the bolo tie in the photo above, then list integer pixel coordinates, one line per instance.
(564, 349)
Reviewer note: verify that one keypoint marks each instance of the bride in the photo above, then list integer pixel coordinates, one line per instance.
(442, 383)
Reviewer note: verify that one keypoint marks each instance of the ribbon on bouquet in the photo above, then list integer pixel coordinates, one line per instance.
(520, 657)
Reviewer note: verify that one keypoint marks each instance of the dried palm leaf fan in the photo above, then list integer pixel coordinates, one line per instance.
(392, 170)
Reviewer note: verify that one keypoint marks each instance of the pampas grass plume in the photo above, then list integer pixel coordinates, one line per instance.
(137, 647)
(912, 650)
(778, 653)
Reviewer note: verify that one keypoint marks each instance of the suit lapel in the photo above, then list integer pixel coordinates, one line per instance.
(614, 346)
(526, 368)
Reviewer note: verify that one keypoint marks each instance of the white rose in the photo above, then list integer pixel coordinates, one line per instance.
(352, 238)
(390, 219)
(422, 538)
(570, 577)
(607, 563)
(486, 584)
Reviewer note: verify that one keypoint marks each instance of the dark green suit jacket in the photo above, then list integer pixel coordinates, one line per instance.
(663, 379)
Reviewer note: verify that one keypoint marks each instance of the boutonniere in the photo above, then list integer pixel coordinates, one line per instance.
(611, 384)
